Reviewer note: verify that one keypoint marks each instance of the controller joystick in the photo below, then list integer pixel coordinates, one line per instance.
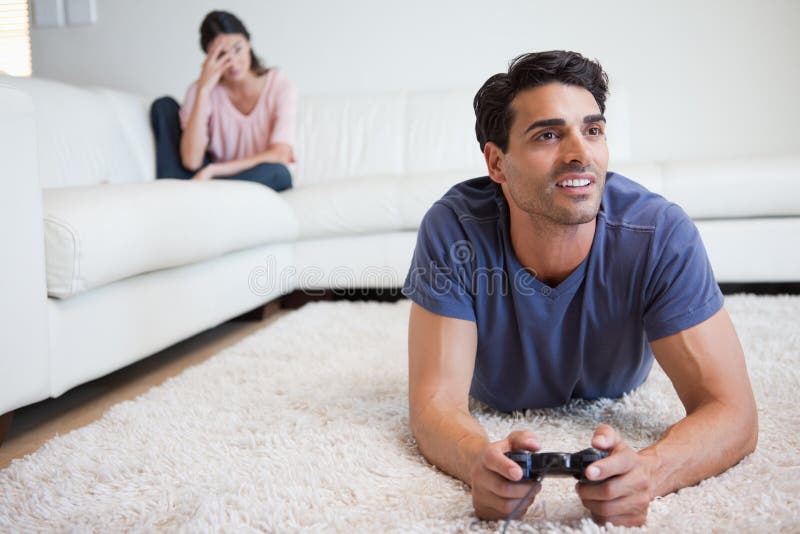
(536, 465)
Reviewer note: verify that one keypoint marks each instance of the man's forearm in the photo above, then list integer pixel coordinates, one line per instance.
(451, 439)
(705, 443)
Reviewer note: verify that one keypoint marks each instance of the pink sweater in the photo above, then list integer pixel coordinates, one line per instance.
(233, 135)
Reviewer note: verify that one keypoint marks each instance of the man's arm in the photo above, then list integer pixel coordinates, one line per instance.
(441, 363)
(706, 365)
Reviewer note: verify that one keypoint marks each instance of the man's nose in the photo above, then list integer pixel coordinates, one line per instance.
(575, 148)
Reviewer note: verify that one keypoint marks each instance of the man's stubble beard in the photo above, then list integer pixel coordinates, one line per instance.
(539, 203)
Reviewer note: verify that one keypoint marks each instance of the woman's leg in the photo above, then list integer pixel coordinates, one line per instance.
(167, 131)
(273, 175)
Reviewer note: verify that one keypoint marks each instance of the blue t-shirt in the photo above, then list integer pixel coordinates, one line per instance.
(646, 276)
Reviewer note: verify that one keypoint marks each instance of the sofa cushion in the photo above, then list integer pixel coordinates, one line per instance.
(734, 189)
(95, 235)
(369, 204)
(644, 173)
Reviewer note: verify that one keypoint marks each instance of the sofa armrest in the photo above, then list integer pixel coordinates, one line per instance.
(24, 338)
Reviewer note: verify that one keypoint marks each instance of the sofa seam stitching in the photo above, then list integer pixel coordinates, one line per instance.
(75, 250)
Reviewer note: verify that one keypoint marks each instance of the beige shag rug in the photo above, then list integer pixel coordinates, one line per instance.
(303, 426)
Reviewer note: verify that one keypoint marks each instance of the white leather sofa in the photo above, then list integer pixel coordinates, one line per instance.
(104, 265)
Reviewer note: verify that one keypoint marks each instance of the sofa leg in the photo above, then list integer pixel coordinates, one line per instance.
(260, 313)
(5, 425)
(297, 299)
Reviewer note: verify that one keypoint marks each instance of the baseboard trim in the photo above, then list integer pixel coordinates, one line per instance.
(300, 298)
(5, 425)
(760, 288)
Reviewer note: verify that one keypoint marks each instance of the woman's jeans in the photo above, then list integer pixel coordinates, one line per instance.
(167, 130)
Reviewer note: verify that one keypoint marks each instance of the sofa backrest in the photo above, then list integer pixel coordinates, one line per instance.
(342, 137)
(403, 134)
(88, 136)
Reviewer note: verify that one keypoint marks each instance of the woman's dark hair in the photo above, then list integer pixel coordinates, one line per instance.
(492, 103)
(218, 22)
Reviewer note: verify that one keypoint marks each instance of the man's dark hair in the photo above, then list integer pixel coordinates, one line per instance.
(492, 103)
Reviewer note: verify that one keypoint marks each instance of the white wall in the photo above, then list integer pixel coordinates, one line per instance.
(710, 79)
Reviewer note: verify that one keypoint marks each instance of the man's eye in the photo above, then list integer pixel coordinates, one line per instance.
(594, 130)
(547, 136)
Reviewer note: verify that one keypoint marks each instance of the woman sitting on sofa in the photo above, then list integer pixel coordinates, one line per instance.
(237, 120)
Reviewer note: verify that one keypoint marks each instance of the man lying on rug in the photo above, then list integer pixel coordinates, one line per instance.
(550, 280)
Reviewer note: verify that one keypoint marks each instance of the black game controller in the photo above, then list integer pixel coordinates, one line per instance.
(536, 465)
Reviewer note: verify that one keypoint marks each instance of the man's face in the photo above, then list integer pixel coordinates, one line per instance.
(557, 156)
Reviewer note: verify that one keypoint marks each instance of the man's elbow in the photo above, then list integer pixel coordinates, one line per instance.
(421, 419)
(415, 420)
(752, 432)
(420, 429)
(745, 419)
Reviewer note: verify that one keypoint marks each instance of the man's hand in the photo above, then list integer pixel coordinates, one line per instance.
(624, 495)
(495, 492)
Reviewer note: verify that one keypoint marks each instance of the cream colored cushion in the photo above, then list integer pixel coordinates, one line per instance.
(99, 234)
(733, 189)
(369, 204)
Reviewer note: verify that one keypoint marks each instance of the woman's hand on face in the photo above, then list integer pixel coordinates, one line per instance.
(217, 60)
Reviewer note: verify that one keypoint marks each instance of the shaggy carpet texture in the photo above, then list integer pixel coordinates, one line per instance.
(303, 426)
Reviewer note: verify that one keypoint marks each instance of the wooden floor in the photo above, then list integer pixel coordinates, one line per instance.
(35, 424)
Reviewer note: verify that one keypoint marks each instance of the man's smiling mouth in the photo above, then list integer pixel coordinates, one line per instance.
(574, 183)
(576, 180)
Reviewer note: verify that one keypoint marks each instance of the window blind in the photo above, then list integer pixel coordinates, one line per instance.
(15, 38)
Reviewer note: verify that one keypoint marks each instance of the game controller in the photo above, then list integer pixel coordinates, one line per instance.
(536, 465)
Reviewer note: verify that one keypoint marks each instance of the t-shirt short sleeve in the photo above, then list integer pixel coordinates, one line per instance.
(285, 111)
(441, 266)
(680, 291)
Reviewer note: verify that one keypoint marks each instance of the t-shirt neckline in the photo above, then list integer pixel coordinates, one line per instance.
(250, 115)
(521, 276)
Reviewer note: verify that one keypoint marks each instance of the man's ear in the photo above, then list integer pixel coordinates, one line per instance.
(494, 162)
